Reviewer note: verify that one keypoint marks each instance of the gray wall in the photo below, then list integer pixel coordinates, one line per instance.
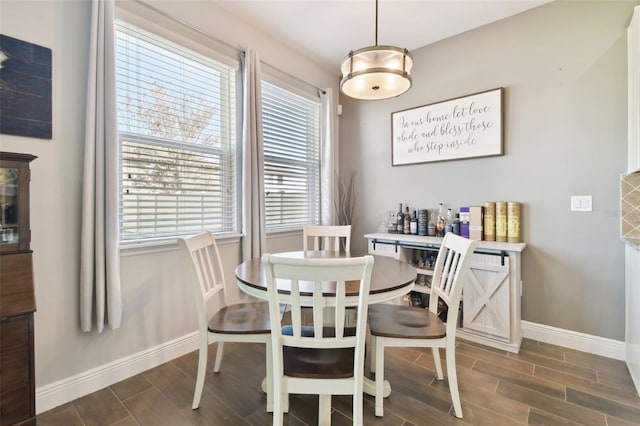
(563, 67)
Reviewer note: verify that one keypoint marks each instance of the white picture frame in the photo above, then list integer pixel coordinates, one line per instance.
(465, 127)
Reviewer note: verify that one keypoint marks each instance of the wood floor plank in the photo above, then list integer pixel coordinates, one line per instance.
(485, 396)
(547, 387)
(479, 415)
(603, 405)
(153, 408)
(576, 370)
(611, 392)
(548, 351)
(127, 421)
(542, 418)
(64, 415)
(171, 381)
(101, 408)
(503, 361)
(552, 405)
(127, 388)
(213, 411)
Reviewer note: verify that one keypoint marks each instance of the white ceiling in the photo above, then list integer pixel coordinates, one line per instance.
(327, 29)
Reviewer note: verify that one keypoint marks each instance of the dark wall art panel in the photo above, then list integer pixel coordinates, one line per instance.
(25, 88)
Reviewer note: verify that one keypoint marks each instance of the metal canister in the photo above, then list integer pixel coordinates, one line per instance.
(489, 227)
(513, 222)
(501, 221)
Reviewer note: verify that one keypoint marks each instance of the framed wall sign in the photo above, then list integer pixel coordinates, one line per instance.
(466, 127)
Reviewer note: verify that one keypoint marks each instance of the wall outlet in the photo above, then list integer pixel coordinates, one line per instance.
(581, 203)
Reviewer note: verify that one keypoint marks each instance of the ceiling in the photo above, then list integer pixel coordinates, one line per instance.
(325, 30)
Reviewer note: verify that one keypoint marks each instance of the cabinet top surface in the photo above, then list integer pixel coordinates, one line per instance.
(420, 240)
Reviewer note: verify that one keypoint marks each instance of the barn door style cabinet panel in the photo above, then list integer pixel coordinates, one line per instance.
(17, 297)
(491, 308)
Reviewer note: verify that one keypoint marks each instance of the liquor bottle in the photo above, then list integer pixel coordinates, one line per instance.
(407, 221)
(413, 226)
(456, 224)
(440, 222)
(431, 224)
(448, 226)
(400, 221)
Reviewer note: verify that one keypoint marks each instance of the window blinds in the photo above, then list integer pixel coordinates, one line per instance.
(177, 129)
(291, 158)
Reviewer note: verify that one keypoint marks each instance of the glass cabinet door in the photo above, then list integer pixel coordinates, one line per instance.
(9, 190)
(15, 174)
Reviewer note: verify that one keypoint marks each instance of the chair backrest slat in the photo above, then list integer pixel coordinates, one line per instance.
(203, 258)
(309, 280)
(454, 256)
(326, 237)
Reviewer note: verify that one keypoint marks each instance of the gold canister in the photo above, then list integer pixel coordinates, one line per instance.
(501, 221)
(489, 221)
(513, 222)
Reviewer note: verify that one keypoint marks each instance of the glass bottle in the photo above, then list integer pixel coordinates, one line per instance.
(391, 223)
(440, 222)
(400, 221)
(407, 221)
(456, 224)
(448, 226)
(413, 226)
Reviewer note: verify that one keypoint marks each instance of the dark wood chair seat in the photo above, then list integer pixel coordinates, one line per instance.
(405, 322)
(242, 318)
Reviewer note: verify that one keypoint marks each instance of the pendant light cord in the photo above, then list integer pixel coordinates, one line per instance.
(376, 22)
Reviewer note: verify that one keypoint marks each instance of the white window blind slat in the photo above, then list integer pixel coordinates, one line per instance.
(176, 121)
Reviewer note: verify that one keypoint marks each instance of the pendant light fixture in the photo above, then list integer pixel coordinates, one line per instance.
(376, 72)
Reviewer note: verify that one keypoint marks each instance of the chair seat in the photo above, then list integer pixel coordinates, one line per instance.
(406, 322)
(242, 318)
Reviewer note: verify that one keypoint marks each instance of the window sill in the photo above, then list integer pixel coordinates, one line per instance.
(134, 248)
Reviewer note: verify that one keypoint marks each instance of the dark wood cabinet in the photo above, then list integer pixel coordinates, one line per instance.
(17, 293)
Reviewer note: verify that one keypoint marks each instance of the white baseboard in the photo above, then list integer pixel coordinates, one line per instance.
(573, 340)
(66, 390)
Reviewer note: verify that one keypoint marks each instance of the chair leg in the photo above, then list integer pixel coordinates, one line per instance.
(379, 350)
(269, 377)
(278, 411)
(324, 410)
(452, 376)
(438, 364)
(373, 353)
(203, 354)
(219, 353)
(358, 414)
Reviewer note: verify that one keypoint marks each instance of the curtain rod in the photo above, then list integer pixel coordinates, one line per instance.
(217, 40)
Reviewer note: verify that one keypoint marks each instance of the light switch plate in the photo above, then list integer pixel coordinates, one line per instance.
(581, 203)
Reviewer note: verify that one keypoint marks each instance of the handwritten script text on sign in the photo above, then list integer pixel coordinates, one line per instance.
(460, 128)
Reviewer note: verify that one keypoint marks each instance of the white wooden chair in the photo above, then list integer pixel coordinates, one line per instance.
(242, 322)
(326, 237)
(405, 326)
(325, 358)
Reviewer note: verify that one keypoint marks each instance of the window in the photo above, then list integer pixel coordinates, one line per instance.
(291, 158)
(177, 131)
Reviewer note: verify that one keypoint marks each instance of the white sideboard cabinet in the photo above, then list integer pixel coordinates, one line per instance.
(491, 313)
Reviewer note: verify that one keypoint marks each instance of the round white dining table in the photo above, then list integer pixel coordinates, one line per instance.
(390, 279)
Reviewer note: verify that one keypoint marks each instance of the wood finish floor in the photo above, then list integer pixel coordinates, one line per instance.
(542, 385)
